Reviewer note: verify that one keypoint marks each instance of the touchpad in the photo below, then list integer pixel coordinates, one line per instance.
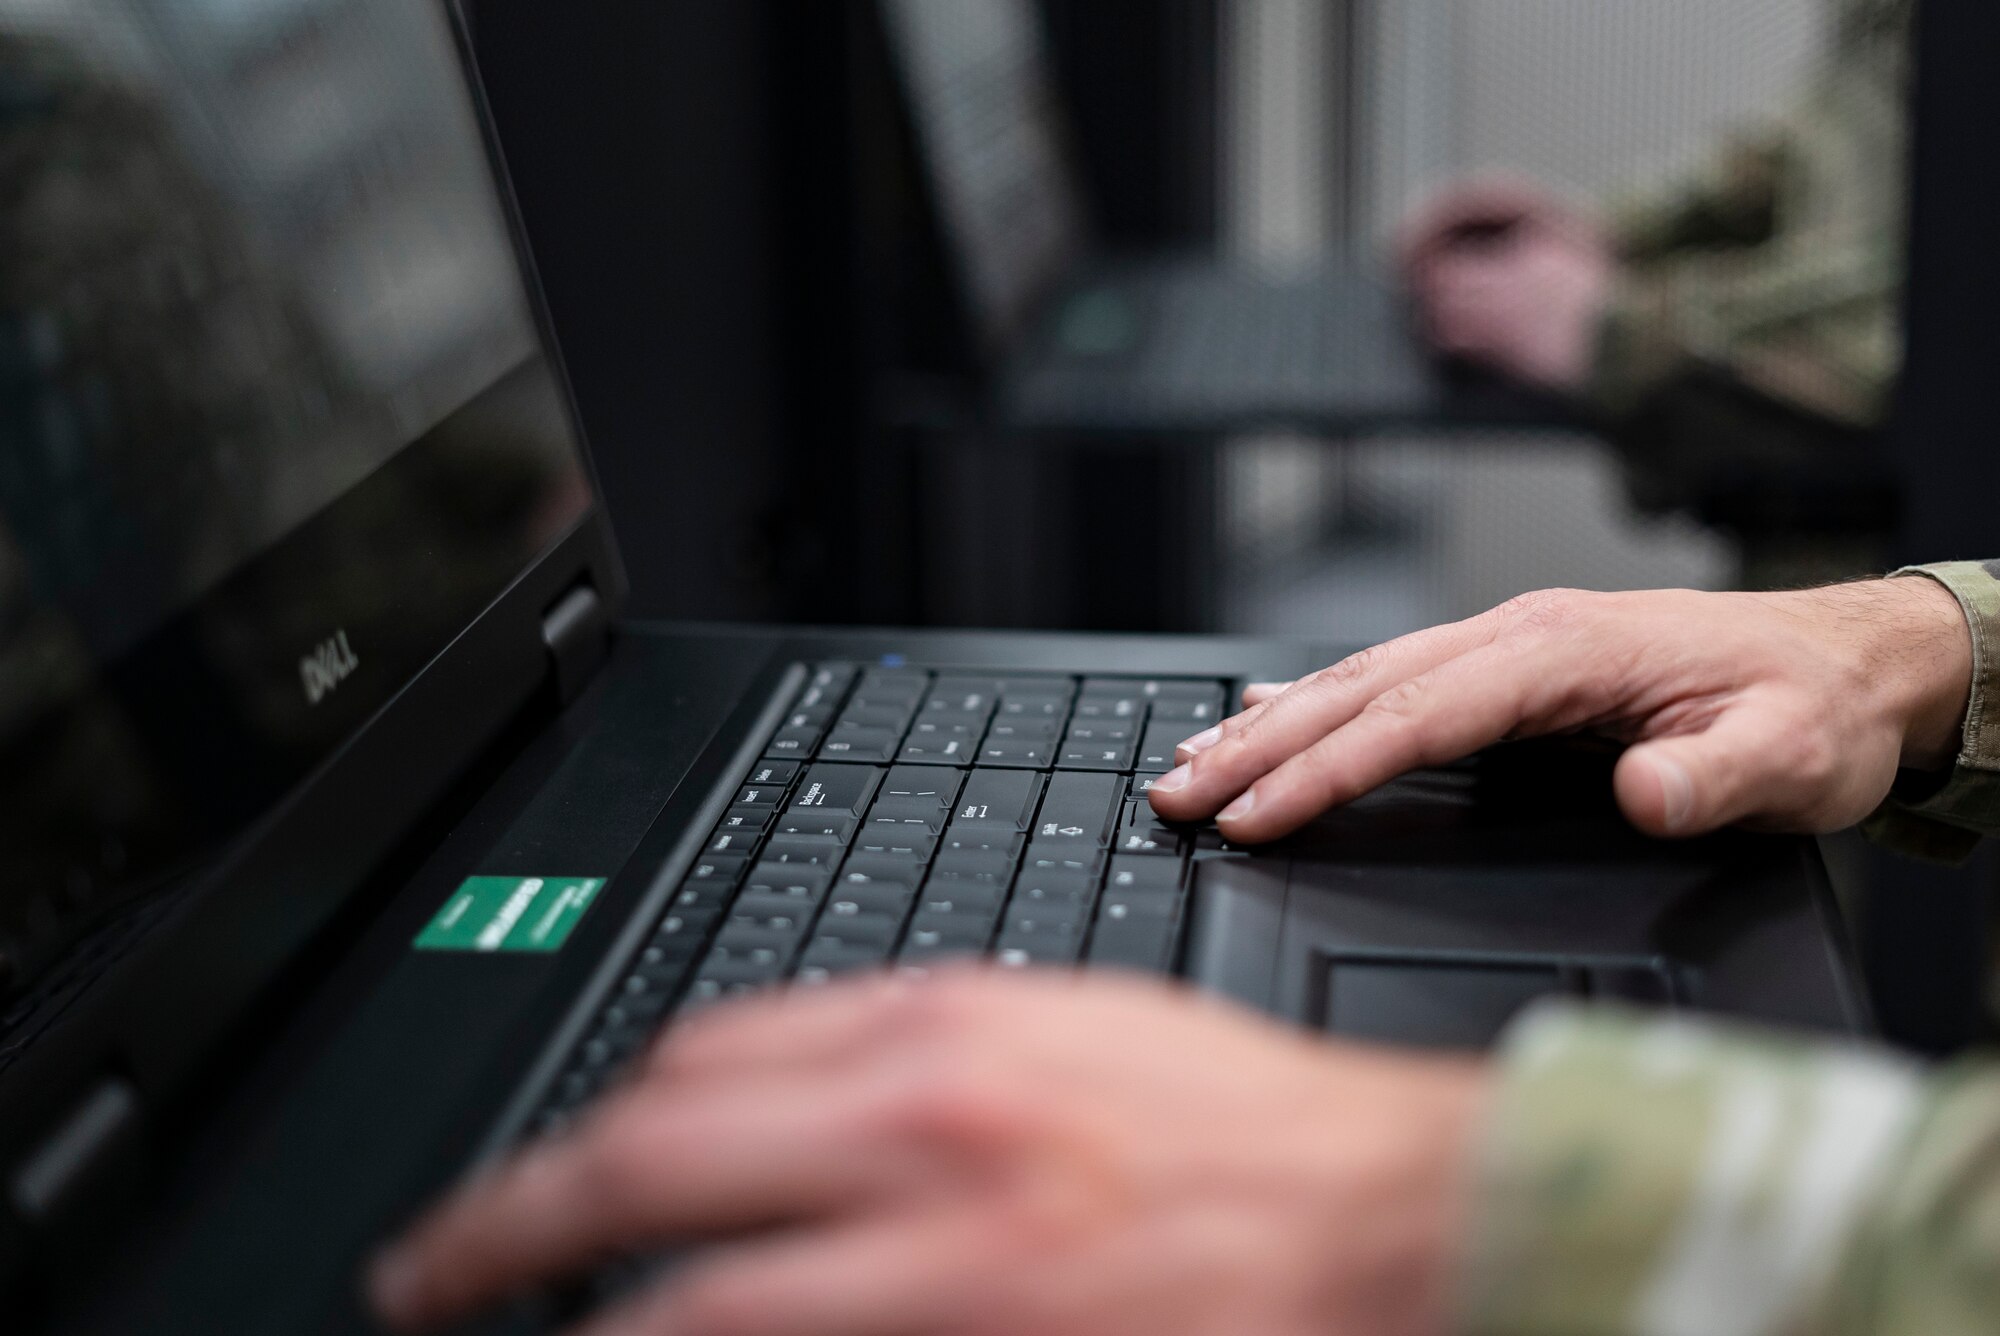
(1431, 1004)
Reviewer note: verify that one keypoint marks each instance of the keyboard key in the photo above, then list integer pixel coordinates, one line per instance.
(1141, 832)
(997, 800)
(932, 946)
(754, 820)
(882, 869)
(687, 929)
(721, 868)
(915, 797)
(1133, 875)
(975, 848)
(1156, 749)
(739, 971)
(1078, 810)
(800, 881)
(1129, 707)
(1082, 860)
(821, 851)
(899, 842)
(796, 904)
(1118, 905)
(740, 936)
(828, 956)
(793, 742)
(1142, 785)
(760, 795)
(980, 899)
(732, 841)
(870, 898)
(1103, 730)
(774, 772)
(1184, 689)
(779, 914)
(844, 789)
(1020, 945)
(968, 696)
(895, 718)
(940, 744)
(1018, 755)
(1035, 688)
(1054, 887)
(1054, 708)
(957, 921)
(861, 928)
(832, 678)
(1025, 730)
(1088, 755)
(854, 742)
(818, 823)
(1193, 715)
(1138, 943)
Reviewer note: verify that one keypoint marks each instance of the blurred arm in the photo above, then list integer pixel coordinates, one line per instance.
(1780, 263)
(1672, 1177)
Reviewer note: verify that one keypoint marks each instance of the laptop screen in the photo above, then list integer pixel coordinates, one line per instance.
(278, 421)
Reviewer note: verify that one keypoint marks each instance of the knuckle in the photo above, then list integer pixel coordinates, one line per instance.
(1349, 671)
(1544, 610)
(1814, 759)
(956, 1105)
(1400, 704)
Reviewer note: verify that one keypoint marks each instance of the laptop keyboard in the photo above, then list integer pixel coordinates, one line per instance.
(900, 818)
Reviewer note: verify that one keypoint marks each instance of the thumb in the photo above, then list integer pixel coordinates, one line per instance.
(1694, 783)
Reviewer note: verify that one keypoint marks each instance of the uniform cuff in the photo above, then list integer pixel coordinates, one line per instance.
(1665, 1176)
(1944, 821)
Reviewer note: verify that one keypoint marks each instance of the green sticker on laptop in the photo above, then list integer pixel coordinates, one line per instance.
(509, 914)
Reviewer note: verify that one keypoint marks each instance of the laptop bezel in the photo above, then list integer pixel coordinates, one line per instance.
(152, 1026)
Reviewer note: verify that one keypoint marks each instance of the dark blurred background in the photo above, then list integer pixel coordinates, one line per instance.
(745, 218)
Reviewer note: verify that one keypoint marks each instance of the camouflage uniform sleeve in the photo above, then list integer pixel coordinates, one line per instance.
(1944, 818)
(1672, 1178)
(1780, 264)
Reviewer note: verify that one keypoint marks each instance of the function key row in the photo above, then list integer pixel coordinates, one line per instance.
(1031, 723)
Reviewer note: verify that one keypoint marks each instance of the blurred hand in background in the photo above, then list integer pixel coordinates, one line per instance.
(1511, 278)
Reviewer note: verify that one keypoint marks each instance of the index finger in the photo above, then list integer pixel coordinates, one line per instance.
(1500, 691)
(647, 1168)
(1303, 713)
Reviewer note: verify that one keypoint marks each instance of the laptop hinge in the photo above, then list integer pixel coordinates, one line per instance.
(577, 631)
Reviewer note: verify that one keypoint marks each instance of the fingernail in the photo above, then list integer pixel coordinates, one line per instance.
(1202, 741)
(1173, 781)
(1239, 809)
(393, 1285)
(1677, 788)
(1270, 688)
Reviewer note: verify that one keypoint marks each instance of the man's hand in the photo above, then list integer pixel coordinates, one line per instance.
(986, 1154)
(1786, 711)
(1509, 277)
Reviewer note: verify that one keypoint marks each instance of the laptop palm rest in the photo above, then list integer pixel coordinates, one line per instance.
(1433, 913)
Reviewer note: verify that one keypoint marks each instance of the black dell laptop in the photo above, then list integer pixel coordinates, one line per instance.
(1077, 340)
(350, 838)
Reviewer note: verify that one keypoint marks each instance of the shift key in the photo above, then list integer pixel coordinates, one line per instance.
(1080, 809)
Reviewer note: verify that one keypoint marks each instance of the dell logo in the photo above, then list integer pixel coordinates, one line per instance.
(327, 667)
